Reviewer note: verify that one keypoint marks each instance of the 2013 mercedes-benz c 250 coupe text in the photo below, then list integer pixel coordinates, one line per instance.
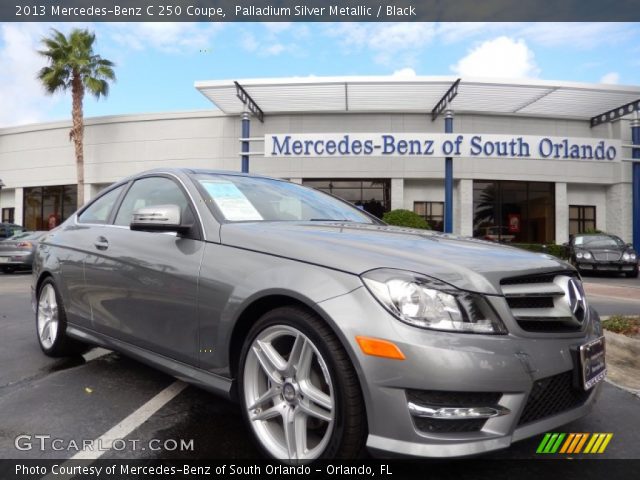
(333, 331)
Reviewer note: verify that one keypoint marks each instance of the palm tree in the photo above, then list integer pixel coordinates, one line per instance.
(73, 65)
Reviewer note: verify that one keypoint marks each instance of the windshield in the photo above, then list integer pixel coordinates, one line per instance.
(596, 241)
(253, 199)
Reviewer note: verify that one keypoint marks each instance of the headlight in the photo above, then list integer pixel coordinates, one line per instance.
(578, 254)
(632, 256)
(429, 303)
(586, 255)
(626, 257)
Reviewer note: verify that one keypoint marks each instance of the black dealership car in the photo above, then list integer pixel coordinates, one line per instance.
(600, 252)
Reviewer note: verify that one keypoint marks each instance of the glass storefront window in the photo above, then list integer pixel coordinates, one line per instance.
(432, 212)
(47, 207)
(520, 212)
(373, 195)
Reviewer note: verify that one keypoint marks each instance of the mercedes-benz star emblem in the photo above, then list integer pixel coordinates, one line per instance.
(577, 299)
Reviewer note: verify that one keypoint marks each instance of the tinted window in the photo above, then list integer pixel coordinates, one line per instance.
(98, 211)
(148, 192)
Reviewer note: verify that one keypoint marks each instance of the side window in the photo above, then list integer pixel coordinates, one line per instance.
(148, 192)
(98, 211)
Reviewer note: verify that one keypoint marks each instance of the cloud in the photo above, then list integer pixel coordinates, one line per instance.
(577, 35)
(390, 43)
(404, 73)
(611, 78)
(501, 57)
(22, 98)
(167, 37)
(271, 41)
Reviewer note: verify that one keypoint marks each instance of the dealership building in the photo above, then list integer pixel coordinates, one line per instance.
(526, 161)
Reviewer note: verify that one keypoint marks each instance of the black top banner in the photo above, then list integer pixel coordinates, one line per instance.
(318, 10)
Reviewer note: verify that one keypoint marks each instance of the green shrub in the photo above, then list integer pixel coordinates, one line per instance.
(559, 251)
(405, 218)
(622, 324)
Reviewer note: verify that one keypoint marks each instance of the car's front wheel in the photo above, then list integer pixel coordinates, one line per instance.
(51, 323)
(298, 389)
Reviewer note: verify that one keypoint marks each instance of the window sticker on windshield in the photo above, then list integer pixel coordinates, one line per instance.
(233, 204)
(579, 240)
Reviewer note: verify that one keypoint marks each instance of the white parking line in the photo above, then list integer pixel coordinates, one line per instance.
(126, 426)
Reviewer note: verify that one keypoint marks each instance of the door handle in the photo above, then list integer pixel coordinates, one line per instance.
(101, 243)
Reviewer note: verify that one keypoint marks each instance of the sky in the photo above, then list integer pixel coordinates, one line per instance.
(157, 63)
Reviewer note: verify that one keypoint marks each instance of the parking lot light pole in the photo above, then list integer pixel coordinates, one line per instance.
(1, 185)
(635, 140)
(448, 178)
(246, 129)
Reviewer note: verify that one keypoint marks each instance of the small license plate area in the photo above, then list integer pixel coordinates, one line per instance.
(593, 367)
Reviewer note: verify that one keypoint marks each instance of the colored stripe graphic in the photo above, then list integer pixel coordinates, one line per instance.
(573, 443)
(567, 443)
(605, 443)
(544, 441)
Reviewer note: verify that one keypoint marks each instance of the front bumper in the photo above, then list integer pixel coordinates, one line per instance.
(598, 266)
(512, 366)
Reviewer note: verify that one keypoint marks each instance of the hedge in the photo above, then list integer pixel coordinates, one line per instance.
(559, 251)
(405, 218)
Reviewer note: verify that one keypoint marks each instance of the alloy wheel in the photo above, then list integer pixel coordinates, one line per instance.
(288, 394)
(47, 316)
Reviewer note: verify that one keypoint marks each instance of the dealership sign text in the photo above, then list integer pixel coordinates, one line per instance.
(440, 145)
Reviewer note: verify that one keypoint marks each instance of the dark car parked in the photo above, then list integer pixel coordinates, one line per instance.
(600, 252)
(9, 229)
(16, 252)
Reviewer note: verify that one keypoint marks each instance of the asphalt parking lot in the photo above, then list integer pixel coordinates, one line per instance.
(84, 398)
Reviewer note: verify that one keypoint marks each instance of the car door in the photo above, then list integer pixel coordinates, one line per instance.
(146, 284)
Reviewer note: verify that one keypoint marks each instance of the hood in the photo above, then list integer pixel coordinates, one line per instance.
(466, 263)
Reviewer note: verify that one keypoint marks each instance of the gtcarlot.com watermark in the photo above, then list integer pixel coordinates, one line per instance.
(40, 442)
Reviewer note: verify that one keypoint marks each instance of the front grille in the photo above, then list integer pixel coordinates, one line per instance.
(437, 398)
(530, 302)
(607, 256)
(541, 303)
(546, 278)
(548, 326)
(552, 396)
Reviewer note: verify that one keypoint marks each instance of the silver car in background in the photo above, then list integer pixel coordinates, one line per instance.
(333, 331)
(17, 251)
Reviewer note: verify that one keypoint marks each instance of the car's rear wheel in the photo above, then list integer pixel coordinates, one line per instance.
(298, 389)
(51, 324)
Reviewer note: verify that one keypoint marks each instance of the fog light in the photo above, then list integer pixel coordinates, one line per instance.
(456, 413)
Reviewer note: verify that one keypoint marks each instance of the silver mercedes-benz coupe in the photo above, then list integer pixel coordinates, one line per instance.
(333, 331)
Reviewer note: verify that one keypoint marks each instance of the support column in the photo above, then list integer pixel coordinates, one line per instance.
(562, 213)
(246, 130)
(397, 193)
(19, 206)
(635, 139)
(465, 193)
(448, 178)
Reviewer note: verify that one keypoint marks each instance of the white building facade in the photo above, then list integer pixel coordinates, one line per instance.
(540, 197)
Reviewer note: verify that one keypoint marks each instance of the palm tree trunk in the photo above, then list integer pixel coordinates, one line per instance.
(77, 132)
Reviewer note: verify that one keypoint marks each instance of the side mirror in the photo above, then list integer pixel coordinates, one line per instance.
(158, 218)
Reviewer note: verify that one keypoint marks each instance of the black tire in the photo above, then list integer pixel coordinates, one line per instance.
(348, 438)
(62, 345)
